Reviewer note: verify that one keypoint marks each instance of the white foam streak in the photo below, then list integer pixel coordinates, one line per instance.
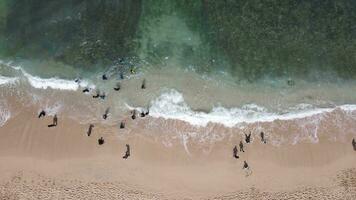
(7, 80)
(171, 105)
(53, 83)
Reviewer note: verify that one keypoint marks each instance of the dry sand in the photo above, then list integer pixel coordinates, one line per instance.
(37, 162)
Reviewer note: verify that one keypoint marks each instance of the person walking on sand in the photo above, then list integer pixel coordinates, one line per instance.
(91, 126)
(248, 137)
(127, 153)
(122, 125)
(143, 85)
(42, 114)
(118, 87)
(241, 145)
(105, 115)
(55, 121)
(133, 114)
(245, 165)
(101, 141)
(354, 143)
(235, 152)
(263, 139)
(97, 94)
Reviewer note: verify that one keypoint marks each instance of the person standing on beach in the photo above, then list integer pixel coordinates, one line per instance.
(241, 145)
(42, 114)
(91, 126)
(101, 141)
(263, 139)
(354, 143)
(248, 137)
(235, 152)
(127, 153)
(55, 121)
(105, 115)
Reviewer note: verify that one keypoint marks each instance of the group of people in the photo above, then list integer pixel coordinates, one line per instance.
(101, 140)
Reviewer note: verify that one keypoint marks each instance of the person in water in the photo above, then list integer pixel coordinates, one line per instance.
(143, 85)
(354, 143)
(105, 115)
(235, 152)
(104, 77)
(263, 139)
(101, 141)
(55, 121)
(102, 96)
(241, 145)
(122, 125)
(91, 126)
(42, 114)
(248, 137)
(118, 87)
(127, 153)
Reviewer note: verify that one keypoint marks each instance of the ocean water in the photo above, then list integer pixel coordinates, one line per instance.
(205, 67)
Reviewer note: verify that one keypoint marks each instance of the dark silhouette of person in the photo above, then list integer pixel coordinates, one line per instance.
(133, 114)
(86, 90)
(354, 143)
(91, 126)
(42, 114)
(118, 87)
(121, 75)
(147, 112)
(143, 85)
(241, 145)
(235, 152)
(122, 125)
(105, 115)
(102, 96)
(248, 137)
(77, 80)
(245, 165)
(97, 94)
(127, 153)
(101, 141)
(104, 77)
(142, 114)
(263, 139)
(55, 121)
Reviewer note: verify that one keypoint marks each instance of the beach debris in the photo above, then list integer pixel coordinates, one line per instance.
(241, 145)
(85, 90)
(127, 153)
(263, 139)
(105, 115)
(248, 138)
(122, 125)
(91, 126)
(354, 143)
(235, 152)
(42, 114)
(55, 121)
(143, 85)
(101, 141)
(118, 87)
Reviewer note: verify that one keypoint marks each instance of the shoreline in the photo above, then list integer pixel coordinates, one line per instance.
(156, 170)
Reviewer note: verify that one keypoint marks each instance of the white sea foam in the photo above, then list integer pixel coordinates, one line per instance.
(44, 83)
(171, 105)
(7, 80)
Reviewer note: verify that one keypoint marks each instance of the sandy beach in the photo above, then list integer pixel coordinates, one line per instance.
(38, 162)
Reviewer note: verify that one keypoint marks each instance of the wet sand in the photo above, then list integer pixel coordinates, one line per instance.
(38, 162)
